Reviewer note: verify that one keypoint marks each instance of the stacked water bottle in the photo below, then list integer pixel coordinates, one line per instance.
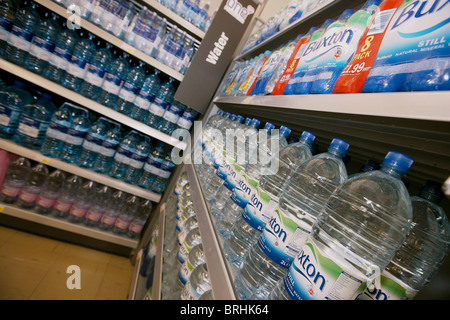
(92, 68)
(141, 28)
(34, 186)
(304, 229)
(192, 11)
(185, 274)
(366, 55)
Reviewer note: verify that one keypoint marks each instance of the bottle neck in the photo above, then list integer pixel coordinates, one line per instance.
(336, 153)
(392, 171)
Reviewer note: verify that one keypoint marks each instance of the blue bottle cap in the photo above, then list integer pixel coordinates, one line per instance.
(346, 14)
(339, 145)
(256, 123)
(248, 121)
(285, 131)
(307, 137)
(240, 118)
(269, 126)
(398, 161)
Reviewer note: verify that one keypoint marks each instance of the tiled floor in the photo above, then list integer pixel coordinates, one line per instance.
(35, 268)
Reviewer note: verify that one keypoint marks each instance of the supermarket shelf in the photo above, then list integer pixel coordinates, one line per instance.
(112, 39)
(220, 272)
(432, 106)
(157, 276)
(65, 225)
(88, 103)
(74, 169)
(189, 27)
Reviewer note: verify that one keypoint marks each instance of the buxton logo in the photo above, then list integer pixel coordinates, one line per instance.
(238, 11)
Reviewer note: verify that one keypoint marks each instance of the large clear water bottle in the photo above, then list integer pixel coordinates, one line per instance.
(62, 54)
(172, 43)
(109, 146)
(75, 135)
(82, 202)
(133, 81)
(95, 74)
(159, 105)
(115, 73)
(8, 12)
(100, 202)
(19, 39)
(246, 231)
(137, 224)
(192, 239)
(198, 283)
(361, 227)
(42, 45)
(151, 167)
(113, 210)
(116, 16)
(127, 215)
(170, 117)
(162, 177)
(15, 178)
(83, 52)
(423, 252)
(134, 170)
(56, 132)
(92, 143)
(146, 95)
(249, 182)
(124, 155)
(301, 201)
(12, 102)
(33, 186)
(67, 196)
(34, 122)
(50, 192)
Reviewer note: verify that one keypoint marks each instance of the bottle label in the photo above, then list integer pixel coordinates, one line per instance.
(137, 160)
(93, 215)
(8, 115)
(60, 58)
(243, 191)
(186, 120)
(122, 224)
(189, 293)
(41, 48)
(94, 75)
(144, 99)
(108, 220)
(77, 212)
(123, 155)
(128, 92)
(57, 130)
(145, 30)
(136, 227)
(112, 83)
(93, 142)
(75, 136)
(28, 197)
(233, 177)
(32, 127)
(20, 38)
(45, 202)
(391, 289)
(62, 206)
(315, 276)
(108, 148)
(282, 238)
(5, 27)
(77, 67)
(10, 191)
(259, 209)
(183, 252)
(172, 113)
(185, 271)
(158, 107)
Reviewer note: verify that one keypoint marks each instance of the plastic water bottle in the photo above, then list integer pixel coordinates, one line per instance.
(422, 253)
(234, 206)
(192, 239)
(34, 122)
(42, 45)
(115, 73)
(185, 225)
(75, 135)
(171, 44)
(100, 202)
(50, 192)
(127, 215)
(93, 142)
(82, 202)
(186, 119)
(137, 224)
(301, 201)
(162, 100)
(8, 10)
(56, 131)
(33, 186)
(12, 102)
(83, 52)
(67, 196)
(186, 55)
(130, 89)
(62, 54)
(334, 61)
(170, 117)
(246, 231)
(356, 235)
(109, 146)
(113, 210)
(162, 177)
(24, 25)
(152, 167)
(15, 178)
(95, 74)
(134, 169)
(146, 95)
(116, 16)
(124, 155)
(198, 284)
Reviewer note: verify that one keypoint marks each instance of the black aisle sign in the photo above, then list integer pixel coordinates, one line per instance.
(215, 54)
